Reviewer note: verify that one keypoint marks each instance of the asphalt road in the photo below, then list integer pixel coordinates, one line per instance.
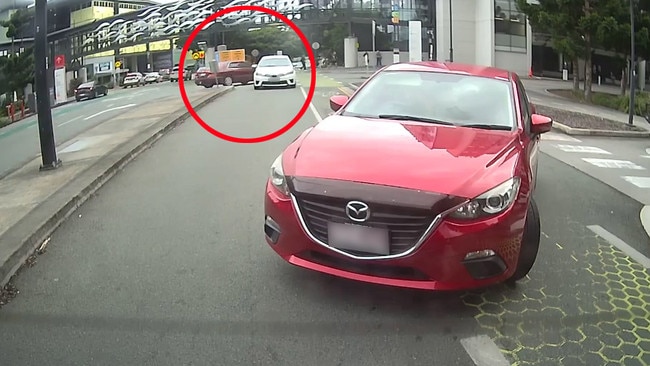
(167, 265)
(20, 143)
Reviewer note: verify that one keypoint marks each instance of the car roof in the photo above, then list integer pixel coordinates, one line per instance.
(452, 68)
(275, 56)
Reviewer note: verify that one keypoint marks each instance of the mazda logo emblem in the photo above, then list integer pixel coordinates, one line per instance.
(357, 211)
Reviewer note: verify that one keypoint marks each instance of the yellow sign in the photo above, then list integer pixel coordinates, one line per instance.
(198, 55)
(232, 55)
(118, 64)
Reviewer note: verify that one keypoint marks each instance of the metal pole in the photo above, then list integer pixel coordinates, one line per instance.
(374, 35)
(632, 64)
(451, 35)
(45, 128)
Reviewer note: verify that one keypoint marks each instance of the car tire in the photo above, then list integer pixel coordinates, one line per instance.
(256, 87)
(292, 86)
(529, 244)
(227, 81)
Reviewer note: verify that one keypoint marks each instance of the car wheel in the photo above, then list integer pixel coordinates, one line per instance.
(292, 86)
(256, 87)
(228, 81)
(529, 243)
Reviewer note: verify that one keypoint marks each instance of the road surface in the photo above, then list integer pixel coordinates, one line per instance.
(19, 142)
(167, 265)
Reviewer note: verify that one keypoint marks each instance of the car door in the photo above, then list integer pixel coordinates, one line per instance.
(533, 140)
(236, 74)
(246, 71)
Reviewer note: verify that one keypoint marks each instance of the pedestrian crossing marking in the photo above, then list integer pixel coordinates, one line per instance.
(613, 164)
(554, 136)
(582, 149)
(641, 182)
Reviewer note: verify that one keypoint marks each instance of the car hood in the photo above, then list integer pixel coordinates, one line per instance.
(275, 70)
(459, 161)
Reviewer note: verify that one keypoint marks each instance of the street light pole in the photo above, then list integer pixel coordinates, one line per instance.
(632, 64)
(44, 109)
(451, 35)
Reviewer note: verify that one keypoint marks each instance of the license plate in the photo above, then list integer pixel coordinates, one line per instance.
(359, 238)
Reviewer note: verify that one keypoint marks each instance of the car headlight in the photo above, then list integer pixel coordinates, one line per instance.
(492, 202)
(277, 176)
(287, 73)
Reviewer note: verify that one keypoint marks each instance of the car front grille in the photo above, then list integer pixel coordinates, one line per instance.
(406, 225)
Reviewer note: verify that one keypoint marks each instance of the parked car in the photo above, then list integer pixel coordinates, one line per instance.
(133, 79)
(90, 90)
(152, 77)
(229, 73)
(438, 194)
(275, 70)
(187, 74)
(200, 74)
(164, 73)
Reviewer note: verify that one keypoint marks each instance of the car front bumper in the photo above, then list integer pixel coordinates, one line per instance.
(84, 95)
(439, 263)
(285, 80)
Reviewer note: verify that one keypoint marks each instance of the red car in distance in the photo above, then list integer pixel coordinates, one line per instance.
(423, 178)
(239, 72)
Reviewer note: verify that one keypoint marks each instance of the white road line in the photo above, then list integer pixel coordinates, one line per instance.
(641, 182)
(614, 164)
(554, 136)
(582, 149)
(109, 110)
(69, 121)
(311, 106)
(620, 244)
(483, 351)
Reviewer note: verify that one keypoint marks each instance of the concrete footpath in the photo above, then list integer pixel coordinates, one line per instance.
(33, 204)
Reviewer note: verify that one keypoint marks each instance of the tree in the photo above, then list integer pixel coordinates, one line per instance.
(18, 71)
(333, 39)
(15, 26)
(267, 39)
(614, 32)
(557, 18)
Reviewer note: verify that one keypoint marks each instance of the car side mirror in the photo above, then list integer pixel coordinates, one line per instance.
(254, 65)
(338, 101)
(540, 124)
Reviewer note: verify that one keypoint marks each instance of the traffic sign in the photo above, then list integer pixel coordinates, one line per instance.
(118, 64)
(232, 55)
(59, 61)
(255, 53)
(198, 55)
(315, 45)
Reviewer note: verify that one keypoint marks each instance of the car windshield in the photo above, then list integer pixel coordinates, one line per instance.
(274, 62)
(436, 97)
(131, 75)
(87, 85)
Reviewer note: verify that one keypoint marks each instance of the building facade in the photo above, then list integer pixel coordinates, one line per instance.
(487, 32)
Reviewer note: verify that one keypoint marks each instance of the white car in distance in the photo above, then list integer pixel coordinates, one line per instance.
(276, 70)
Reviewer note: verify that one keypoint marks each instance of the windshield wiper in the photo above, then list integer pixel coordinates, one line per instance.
(402, 117)
(488, 127)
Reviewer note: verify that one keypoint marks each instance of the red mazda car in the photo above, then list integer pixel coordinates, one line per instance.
(423, 178)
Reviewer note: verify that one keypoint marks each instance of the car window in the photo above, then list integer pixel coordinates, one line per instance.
(454, 98)
(274, 62)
